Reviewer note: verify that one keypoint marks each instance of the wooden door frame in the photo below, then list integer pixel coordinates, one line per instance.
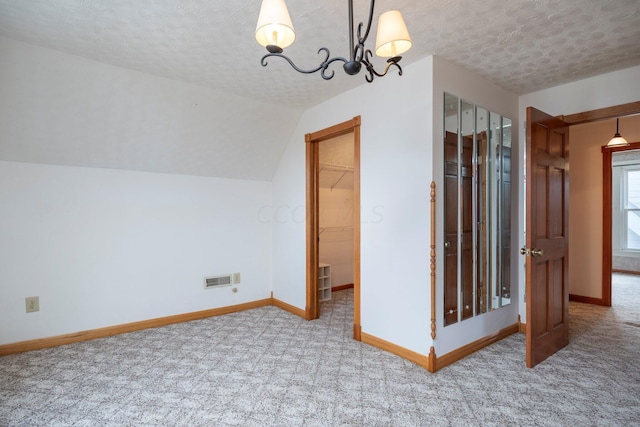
(607, 250)
(312, 140)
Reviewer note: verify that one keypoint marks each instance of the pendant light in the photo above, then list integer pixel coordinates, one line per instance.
(617, 140)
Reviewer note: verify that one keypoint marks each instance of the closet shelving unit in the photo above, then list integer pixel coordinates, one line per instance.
(324, 282)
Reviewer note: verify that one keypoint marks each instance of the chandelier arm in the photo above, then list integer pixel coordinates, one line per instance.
(359, 46)
(327, 63)
(323, 65)
(361, 39)
(369, 66)
(359, 51)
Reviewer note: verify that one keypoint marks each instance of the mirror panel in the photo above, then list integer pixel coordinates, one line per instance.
(505, 213)
(466, 209)
(451, 121)
(494, 199)
(483, 210)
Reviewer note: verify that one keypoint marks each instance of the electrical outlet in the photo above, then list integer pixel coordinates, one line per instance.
(236, 278)
(33, 304)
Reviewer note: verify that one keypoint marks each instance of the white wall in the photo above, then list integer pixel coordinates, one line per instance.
(395, 177)
(475, 89)
(605, 90)
(619, 87)
(103, 247)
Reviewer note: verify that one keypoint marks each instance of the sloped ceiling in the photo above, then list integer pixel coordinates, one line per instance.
(520, 45)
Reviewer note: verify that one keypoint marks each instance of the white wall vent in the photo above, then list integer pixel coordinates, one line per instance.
(217, 281)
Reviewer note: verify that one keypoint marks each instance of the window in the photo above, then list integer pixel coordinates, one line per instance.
(630, 208)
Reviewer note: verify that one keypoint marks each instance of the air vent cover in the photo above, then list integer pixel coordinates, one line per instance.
(217, 281)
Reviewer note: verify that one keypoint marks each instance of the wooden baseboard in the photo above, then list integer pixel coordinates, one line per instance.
(432, 360)
(41, 343)
(587, 300)
(417, 358)
(522, 327)
(288, 307)
(357, 332)
(455, 355)
(342, 287)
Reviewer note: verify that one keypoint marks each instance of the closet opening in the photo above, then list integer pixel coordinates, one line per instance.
(333, 216)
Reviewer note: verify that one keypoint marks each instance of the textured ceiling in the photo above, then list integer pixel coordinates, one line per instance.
(521, 45)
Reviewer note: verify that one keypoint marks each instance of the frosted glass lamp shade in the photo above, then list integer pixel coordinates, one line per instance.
(274, 25)
(393, 37)
(617, 140)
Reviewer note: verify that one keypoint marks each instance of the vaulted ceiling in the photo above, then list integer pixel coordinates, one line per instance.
(520, 45)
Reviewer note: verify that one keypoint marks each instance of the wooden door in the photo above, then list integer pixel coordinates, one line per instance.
(547, 243)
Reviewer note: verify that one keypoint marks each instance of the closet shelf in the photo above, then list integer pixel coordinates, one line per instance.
(340, 169)
(335, 229)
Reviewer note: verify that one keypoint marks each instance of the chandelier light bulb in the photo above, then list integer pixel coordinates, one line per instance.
(274, 29)
(393, 37)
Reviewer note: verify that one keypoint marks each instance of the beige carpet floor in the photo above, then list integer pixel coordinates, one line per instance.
(266, 367)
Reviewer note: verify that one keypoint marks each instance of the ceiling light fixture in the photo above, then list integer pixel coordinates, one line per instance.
(275, 32)
(617, 140)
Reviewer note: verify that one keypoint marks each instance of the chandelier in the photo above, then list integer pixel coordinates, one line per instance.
(275, 32)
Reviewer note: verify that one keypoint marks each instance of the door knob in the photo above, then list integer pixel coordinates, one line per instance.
(532, 252)
(537, 252)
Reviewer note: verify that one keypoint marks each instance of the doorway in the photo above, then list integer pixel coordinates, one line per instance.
(547, 295)
(313, 189)
(591, 117)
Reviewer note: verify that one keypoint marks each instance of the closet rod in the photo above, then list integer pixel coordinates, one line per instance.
(335, 229)
(335, 168)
